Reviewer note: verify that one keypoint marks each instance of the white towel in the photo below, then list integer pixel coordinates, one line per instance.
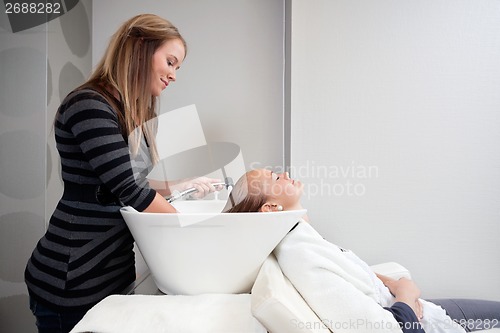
(437, 321)
(180, 314)
(339, 290)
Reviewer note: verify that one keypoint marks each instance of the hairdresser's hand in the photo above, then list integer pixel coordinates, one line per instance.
(202, 184)
(406, 291)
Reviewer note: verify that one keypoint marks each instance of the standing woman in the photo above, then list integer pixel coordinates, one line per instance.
(87, 251)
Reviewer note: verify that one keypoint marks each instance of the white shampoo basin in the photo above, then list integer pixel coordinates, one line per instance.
(203, 251)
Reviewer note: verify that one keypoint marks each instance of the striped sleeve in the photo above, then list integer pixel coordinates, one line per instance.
(94, 125)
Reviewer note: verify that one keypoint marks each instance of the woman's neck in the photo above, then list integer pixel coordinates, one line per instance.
(298, 206)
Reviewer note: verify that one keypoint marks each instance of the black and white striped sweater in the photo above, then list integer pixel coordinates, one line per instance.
(87, 251)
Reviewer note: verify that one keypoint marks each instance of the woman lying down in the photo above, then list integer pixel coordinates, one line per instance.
(341, 288)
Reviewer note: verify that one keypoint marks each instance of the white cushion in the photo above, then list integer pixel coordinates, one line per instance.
(278, 305)
(181, 314)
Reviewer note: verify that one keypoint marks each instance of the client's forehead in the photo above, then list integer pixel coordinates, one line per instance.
(256, 180)
(260, 176)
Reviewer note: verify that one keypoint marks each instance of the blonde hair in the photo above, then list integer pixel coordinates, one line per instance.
(126, 69)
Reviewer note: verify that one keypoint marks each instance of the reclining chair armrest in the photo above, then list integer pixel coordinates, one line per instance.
(392, 270)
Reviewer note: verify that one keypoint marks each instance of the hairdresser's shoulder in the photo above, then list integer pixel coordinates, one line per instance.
(86, 99)
(85, 95)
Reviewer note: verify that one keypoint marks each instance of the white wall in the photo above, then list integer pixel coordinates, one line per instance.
(399, 101)
(233, 71)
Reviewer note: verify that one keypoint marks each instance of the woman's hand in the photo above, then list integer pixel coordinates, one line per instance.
(202, 184)
(406, 291)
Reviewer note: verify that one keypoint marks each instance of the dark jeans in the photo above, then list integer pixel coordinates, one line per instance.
(49, 321)
(472, 314)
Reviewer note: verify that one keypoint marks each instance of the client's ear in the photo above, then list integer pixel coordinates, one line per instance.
(267, 207)
(271, 207)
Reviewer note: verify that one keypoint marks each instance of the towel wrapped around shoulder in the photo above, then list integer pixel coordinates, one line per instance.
(343, 290)
(331, 280)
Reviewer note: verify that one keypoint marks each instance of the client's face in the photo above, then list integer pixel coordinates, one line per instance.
(277, 187)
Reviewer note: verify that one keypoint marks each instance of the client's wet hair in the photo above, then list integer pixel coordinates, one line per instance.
(246, 196)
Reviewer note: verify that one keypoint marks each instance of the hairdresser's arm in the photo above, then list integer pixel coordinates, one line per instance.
(202, 184)
(162, 187)
(159, 205)
(96, 130)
